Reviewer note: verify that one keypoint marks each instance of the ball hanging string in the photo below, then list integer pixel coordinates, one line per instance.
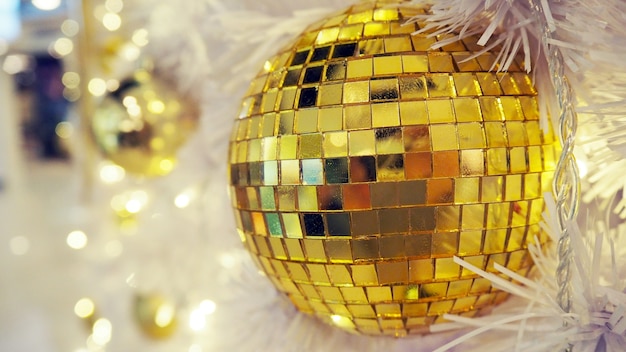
(566, 183)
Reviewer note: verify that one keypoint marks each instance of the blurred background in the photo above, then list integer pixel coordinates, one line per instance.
(36, 103)
(36, 108)
(58, 233)
(37, 200)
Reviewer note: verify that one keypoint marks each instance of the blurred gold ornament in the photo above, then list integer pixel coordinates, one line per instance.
(362, 162)
(141, 125)
(155, 315)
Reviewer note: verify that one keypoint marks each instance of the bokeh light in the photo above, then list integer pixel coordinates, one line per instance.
(19, 245)
(84, 308)
(102, 331)
(97, 87)
(77, 239)
(46, 5)
(112, 21)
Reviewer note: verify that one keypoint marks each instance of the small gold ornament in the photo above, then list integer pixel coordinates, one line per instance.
(362, 162)
(141, 125)
(155, 315)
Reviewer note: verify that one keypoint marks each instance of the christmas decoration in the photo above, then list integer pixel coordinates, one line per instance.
(363, 162)
(174, 234)
(141, 124)
(155, 315)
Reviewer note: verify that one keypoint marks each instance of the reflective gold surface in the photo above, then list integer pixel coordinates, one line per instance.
(141, 125)
(361, 163)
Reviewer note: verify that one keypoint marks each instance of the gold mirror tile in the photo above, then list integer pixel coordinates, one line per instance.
(440, 62)
(392, 247)
(335, 71)
(385, 115)
(357, 197)
(398, 44)
(440, 85)
(438, 308)
(467, 110)
(338, 274)
(354, 294)
(365, 249)
(387, 65)
(378, 294)
(361, 143)
(375, 29)
(335, 144)
(361, 68)
(421, 270)
(307, 198)
(339, 251)
(464, 63)
(364, 275)
(464, 304)
(362, 311)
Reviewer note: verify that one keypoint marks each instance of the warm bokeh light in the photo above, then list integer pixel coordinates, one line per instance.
(130, 52)
(77, 240)
(164, 315)
(19, 245)
(182, 200)
(62, 47)
(129, 101)
(71, 94)
(208, 307)
(197, 321)
(64, 130)
(166, 165)
(112, 21)
(70, 28)
(46, 5)
(129, 203)
(114, 6)
(140, 37)
(14, 64)
(84, 308)
(102, 331)
(97, 87)
(118, 203)
(156, 106)
(112, 84)
(197, 318)
(111, 173)
(71, 79)
(133, 206)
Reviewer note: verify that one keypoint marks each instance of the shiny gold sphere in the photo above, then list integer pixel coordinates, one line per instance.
(155, 315)
(141, 125)
(362, 162)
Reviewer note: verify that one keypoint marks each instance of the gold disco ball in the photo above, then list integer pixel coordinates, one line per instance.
(141, 125)
(362, 162)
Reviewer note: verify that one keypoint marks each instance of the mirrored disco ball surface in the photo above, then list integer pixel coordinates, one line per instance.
(362, 162)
